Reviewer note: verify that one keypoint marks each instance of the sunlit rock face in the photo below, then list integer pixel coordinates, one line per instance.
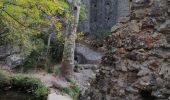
(136, 65)
(103, 14)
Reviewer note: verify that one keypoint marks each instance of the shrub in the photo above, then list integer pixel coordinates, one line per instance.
(23, 83)
(32, 84)
(56, 69)
(4, 79)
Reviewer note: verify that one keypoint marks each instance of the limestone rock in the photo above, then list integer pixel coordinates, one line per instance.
(89, 55)
(165, 27)
(9, 55)
(137, 59)
(144, 72)
(140, 3)
(14, 60)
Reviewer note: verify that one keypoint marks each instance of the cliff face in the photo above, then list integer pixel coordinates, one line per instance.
(136, 65)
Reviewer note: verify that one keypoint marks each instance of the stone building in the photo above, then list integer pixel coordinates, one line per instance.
(103, 14)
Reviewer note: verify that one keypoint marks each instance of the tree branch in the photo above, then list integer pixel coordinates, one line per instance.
(19, 21)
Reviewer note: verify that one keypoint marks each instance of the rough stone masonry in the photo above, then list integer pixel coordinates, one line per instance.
(103, 14)
(136, 64)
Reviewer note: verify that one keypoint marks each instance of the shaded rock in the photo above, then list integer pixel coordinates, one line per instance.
(14, 60)
(144, 72)
(136, 64)
(140, 3)
(89, 55)
(136, 56)
(9, 55)
(116, 27)
(165, 27)
(123, 20)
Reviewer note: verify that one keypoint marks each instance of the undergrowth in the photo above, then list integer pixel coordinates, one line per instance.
(23, 83)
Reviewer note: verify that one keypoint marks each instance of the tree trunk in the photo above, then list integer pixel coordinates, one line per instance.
(67, 64)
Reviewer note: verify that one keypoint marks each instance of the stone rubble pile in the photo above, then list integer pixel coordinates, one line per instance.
(136, 65)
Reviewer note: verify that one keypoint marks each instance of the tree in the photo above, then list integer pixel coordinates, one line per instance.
(67, 64)
(28, 18)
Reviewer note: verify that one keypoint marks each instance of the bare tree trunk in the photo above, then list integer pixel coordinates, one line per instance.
(67, 64)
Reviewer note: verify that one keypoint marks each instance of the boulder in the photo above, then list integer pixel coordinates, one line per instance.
(87, 54)
(14, 60)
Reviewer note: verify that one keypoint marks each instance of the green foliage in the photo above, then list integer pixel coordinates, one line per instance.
(56, 69)
(3, 78)
(39, 57)
(3, 30)
(35, 86)
(56, 50)
(83, 12)
(77, 68)
(28, 23)
(73, 90)
(48, 68)
(32, 60)
(26, 19)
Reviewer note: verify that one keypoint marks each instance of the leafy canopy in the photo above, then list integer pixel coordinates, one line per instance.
(28, 18)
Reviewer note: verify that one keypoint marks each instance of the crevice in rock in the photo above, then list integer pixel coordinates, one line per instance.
(146, 95)
(80, 59)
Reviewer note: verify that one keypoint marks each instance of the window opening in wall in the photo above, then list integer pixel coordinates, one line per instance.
(95, 5)
(108, 18)
(108, 3)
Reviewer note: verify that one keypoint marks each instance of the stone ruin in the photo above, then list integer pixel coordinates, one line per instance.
(136, 64)
(103, 14)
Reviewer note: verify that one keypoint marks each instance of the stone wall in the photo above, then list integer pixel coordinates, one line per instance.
(123, 9)
(136, 65)
(103, 14)
(85, 24)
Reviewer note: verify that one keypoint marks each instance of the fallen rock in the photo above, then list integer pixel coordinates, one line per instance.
(89, 55)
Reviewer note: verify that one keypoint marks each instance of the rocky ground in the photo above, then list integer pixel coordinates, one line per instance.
(136, 64)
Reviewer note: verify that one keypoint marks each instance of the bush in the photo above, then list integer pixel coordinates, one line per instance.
(40, 57)
(56, 69)
(4, 79)
(34, 85)
(23, 83)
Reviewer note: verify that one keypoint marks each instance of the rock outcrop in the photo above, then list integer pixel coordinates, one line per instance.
(10, 56)
(86, 55)
(136, 65)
